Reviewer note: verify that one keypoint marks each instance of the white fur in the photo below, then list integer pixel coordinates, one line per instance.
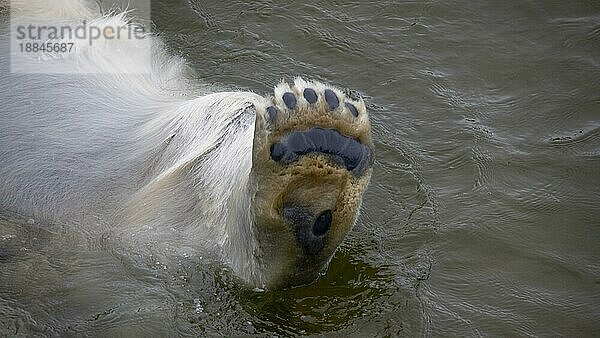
(130, 148)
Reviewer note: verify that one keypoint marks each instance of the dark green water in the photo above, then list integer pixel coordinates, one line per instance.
(483, 214)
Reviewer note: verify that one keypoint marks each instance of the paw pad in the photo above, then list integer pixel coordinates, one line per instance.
(332, 100)
(322, 223)
(352, 109)
(290, 100)
(272, 114)
(310, 95)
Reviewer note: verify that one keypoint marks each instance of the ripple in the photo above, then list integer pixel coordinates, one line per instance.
(208, 18)
(329, 39)
(576, 138)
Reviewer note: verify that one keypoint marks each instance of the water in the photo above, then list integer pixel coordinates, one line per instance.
(482, 217)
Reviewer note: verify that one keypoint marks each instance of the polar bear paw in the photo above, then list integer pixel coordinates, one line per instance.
(312, 159)
(309, 117)
(312, 118)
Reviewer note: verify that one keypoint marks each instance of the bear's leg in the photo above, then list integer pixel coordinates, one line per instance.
(312, 157)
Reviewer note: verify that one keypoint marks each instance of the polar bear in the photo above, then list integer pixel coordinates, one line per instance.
(130, 146)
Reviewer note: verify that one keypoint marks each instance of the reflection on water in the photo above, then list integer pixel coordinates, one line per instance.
(353, 291)
(482, 214)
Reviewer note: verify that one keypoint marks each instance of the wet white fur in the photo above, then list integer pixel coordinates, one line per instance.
(153, 158)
